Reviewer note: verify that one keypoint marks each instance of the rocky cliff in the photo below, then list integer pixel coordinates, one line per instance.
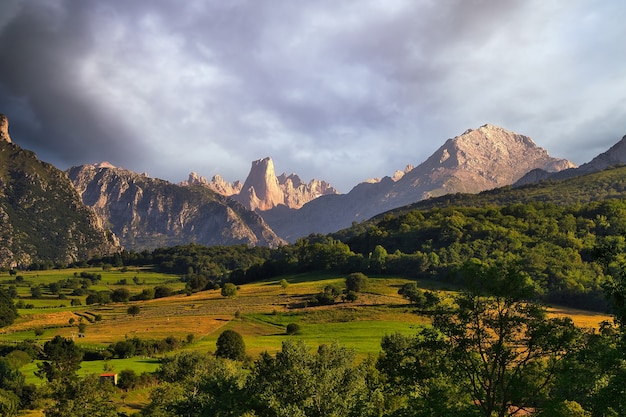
(146, 213)
(477, 160)
(42, 218)
(263, 190)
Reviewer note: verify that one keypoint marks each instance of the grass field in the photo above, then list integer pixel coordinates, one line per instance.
(260, 313)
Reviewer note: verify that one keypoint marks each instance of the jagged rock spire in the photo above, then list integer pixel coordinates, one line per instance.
(4, 128)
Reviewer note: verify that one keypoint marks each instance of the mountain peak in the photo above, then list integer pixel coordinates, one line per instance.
(4, 128)
(104, 164)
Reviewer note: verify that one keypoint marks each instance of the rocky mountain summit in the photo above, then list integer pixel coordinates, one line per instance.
(147, 213)
(42, 218)
(217, 184)
(477, 160)
(263, 190)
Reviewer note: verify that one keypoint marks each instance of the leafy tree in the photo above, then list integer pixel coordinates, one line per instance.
(62, 360)
(81, 398)
(378, 259)
(8, 311)
(284, 284)
(36, 292)
(196, 384)
(9, 403)
(504, 351)
(357, 282)
(230, 345)
(229, 290)
(296, 382)
(120, 295)
(161, 291)
(127, 379)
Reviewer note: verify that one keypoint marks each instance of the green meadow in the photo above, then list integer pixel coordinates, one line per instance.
(260, 312)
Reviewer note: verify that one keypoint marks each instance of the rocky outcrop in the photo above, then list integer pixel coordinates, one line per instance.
(147, 213)
(4, 129)
(477, 160)
(217, 184)
(42, 218)
(263, 190)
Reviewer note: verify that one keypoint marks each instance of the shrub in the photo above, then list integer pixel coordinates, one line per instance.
(356, 282)
(230, 345)
(229, 290)
(293, 328)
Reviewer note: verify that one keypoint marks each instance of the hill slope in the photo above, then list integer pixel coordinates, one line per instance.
(42, 218)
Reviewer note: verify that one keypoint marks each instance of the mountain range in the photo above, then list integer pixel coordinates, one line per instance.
(120, 208)
(481, 159)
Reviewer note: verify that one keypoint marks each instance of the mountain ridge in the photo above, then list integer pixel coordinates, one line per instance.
(477, 160)
(42, 218)
(147, 213)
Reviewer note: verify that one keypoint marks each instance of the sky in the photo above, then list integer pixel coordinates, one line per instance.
(341, 91)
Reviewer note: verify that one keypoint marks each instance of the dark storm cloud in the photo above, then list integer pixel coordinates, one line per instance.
(340, 91)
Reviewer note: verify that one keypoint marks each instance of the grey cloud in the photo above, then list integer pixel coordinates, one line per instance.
(341, 91)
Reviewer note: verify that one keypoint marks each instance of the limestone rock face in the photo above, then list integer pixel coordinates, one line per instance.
(263, 190)
(477, 160)
(147, 213)
(4, 128)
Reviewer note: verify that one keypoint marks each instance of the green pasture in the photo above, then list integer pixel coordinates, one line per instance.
(137, 364)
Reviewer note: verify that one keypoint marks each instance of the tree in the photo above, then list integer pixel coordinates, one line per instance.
(377, 260)
(230, 345)
(82, 398)
(357, 282)
(8, 311)
(127, 379)
(229, 290)
(297, 382)
(504, 351)
(36, 292)
(120, 295)
(62, 360)
(413, 293)
(161, 291)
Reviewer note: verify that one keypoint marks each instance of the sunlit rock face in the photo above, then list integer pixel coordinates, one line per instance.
(147, 213)
(477, 160)
(4, 128)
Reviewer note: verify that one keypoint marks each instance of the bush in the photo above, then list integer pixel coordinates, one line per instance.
(133, 310)
(293, 328)
(230, 345)
(356, 282)
(162, 291)
(351, 296)
(229, 290)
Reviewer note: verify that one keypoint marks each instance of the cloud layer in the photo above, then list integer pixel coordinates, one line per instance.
(340, 91)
